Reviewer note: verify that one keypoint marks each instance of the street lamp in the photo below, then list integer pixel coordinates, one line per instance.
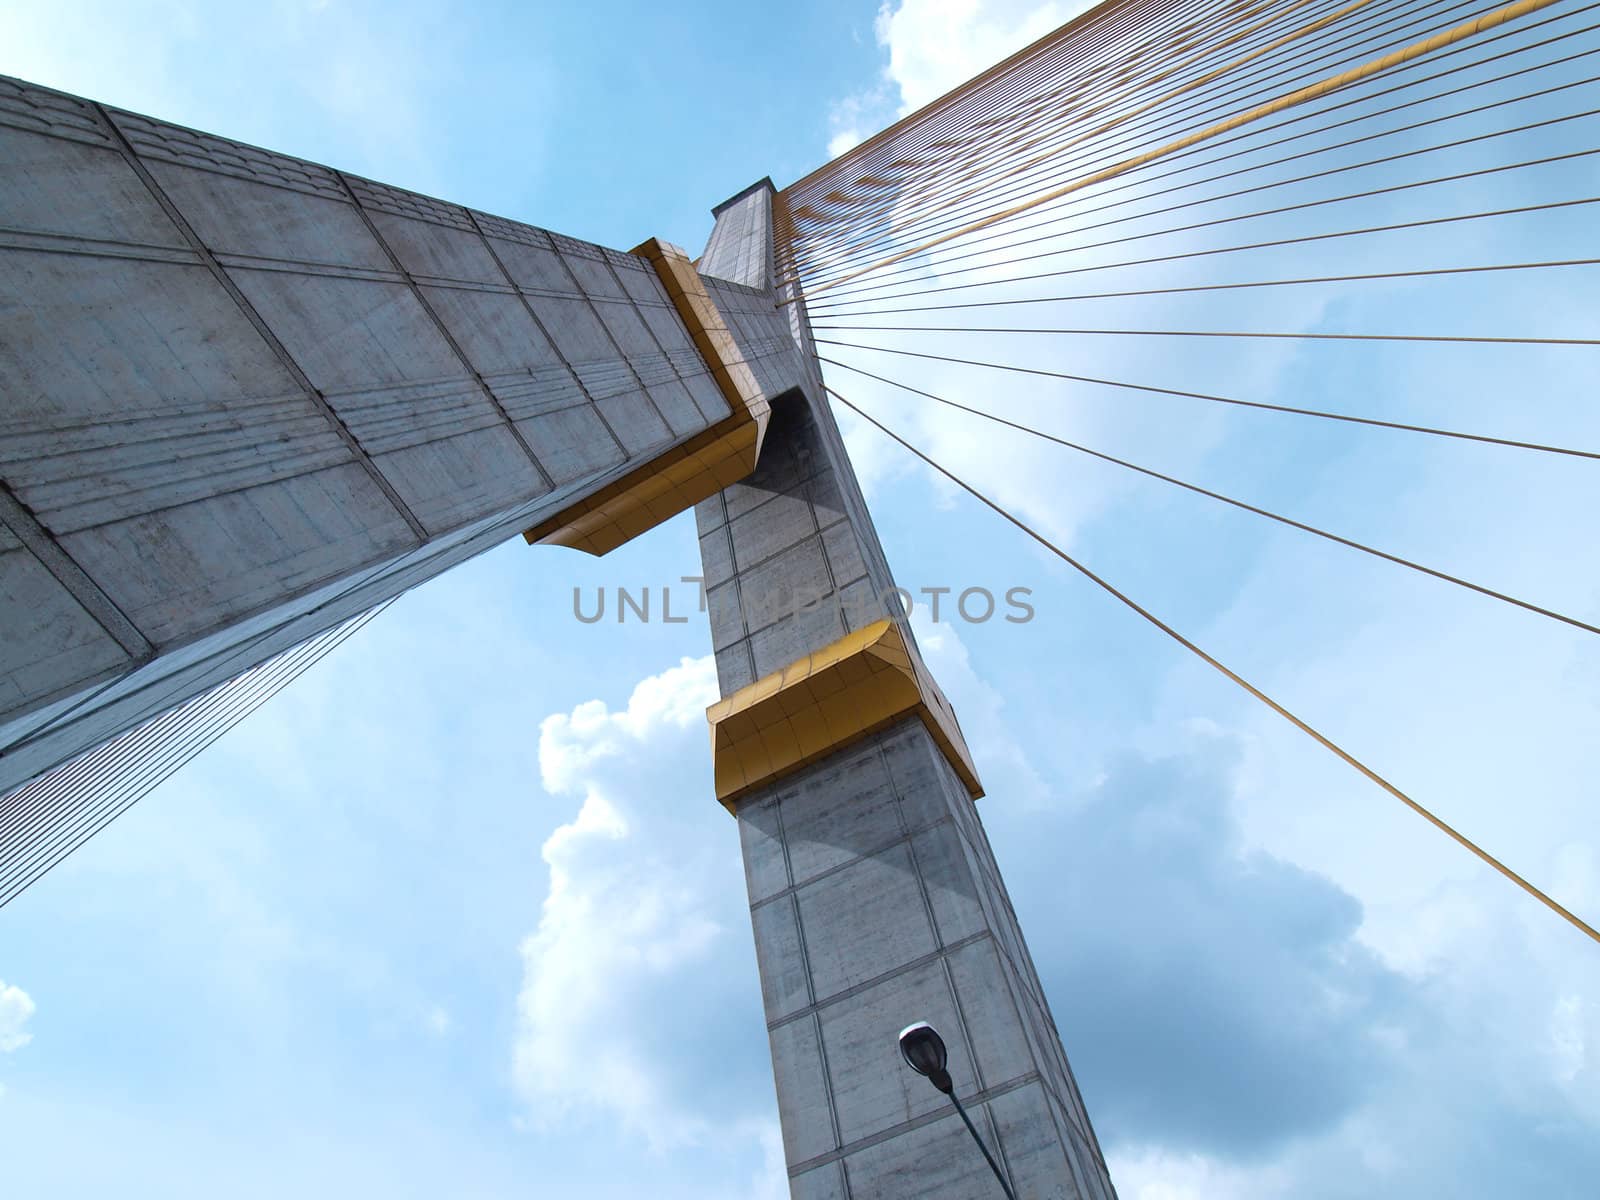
(923, 1049)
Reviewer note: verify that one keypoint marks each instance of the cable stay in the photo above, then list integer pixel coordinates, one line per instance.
(1240, 504)
(1230, 400)
(1316, 735)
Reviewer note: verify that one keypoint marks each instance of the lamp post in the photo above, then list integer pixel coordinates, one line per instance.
(923, 1049)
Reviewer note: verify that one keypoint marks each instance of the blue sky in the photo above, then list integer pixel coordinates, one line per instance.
(457, 914)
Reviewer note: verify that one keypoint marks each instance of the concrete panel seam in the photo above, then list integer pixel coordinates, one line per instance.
(744, 642)
(1035, 997)
(906, 833)
(805, 952)
(1069, 1151)
(54, 558)
(988, 869)
(912, 964)
(917, 1122)
(827, 1074)
(809, 493)
(955, 999)
(788, 493)
(27, 106)
(1075, 1113)
(631, 301)
(544, 332)
(1027, 972)
(197, 150)
(158, 703)
(873, 852)
(262, 330)
(296, 266)
(1000, 1147)
(783, 840)
(1031, 987)
(92, 686)
(1071, 1114)
(688, 472)
(41, 241)
(447, 283)
(558, 244)
(1074, 1125)
(455, 348)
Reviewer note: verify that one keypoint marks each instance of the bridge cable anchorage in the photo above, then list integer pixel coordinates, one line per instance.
(1240, 504)
(44, 810)
(125, 769)
(130, 766)
(1071, 210)
(45, 820)
(1122, 134)
(1298, 96)
(1131, 86)
(945, 269)
(819, 246)
(1125, 40)
(1324, 414)
(882, 239)
(865, 293)
(1066, 209)
(847, 161)
(1327, 743)
(1303, 239)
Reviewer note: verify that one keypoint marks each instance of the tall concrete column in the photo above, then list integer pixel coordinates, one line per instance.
(874, 895)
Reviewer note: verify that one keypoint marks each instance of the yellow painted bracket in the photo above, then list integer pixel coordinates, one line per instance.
(681, 477)
(861, 683)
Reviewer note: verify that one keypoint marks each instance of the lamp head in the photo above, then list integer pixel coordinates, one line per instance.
(924, 1052)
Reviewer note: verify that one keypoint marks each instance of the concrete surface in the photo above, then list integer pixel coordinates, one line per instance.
(874, 895)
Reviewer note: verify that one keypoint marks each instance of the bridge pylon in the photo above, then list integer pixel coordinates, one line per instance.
(250, 397)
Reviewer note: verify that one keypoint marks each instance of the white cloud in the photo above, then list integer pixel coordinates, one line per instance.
(610, 924)
(935, 45)
(643, 945)
(980, 707)
(571, 744)
(929, 47)
(846, 139)
(855, 118)
(1153, 1174)
(16, 1008)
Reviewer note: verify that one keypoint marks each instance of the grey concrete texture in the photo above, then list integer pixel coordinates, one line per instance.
(792, 558)
(875, 897)
(876, 903)
(249, 396)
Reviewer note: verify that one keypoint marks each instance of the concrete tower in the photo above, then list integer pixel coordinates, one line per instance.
(248, 397)
(874, 895)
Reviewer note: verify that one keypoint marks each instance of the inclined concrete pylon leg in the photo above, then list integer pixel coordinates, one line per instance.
(248, 397)
(874, 896)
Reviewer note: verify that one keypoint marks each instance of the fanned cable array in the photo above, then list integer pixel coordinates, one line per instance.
(1164, 198)
(47, 819)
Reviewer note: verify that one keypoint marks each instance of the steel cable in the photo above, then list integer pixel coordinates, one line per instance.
(1233, 401)
(1350, 543)
(1067, 208)
(1322, 739)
